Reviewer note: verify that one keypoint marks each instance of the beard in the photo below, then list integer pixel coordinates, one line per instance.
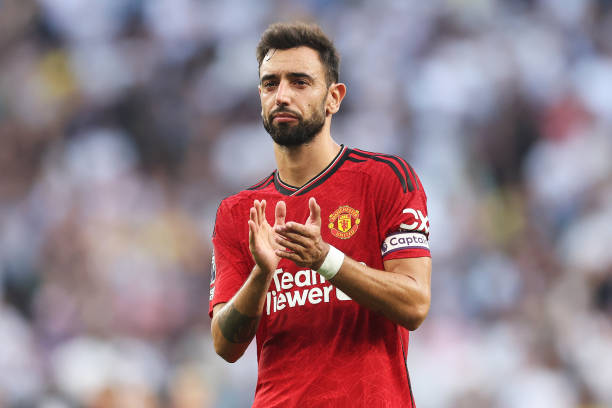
(290, 135)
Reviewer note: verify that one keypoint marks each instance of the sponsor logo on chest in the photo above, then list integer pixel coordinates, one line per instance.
(300, 289)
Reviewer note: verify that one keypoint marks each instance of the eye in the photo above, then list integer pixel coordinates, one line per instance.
(269, 84)
(300, 82)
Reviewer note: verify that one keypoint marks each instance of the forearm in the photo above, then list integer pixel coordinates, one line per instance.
(397, 296)
(235, 323)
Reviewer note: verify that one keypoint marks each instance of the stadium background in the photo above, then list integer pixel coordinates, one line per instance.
(123, 123)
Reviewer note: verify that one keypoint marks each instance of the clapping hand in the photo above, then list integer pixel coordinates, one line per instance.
(302, 243)
(262, 237)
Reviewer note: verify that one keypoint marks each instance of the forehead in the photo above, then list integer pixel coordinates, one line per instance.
(299, 59)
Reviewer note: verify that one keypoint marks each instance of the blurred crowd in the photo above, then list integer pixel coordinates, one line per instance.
(123, 123)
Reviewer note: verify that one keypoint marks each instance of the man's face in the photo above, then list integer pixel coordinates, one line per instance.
(293, 91)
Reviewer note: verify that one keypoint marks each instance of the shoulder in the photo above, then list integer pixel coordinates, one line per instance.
(386, 168)
(246, 196)
(260, 185)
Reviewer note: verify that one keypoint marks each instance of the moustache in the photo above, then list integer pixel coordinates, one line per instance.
(284, 110)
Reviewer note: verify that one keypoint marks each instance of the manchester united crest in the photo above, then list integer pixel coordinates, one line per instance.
(343, 222)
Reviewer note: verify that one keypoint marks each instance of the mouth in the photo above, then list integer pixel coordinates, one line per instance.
(284, 117)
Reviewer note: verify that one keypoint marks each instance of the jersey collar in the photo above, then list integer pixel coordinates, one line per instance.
(289, 190)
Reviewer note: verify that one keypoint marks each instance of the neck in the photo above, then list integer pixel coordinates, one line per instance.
(298, 164)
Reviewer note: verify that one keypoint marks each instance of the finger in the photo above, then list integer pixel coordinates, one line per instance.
(295, 238)
(295, 228)
(252, 232)
(262, 212)
(281, 213)
(253, 214)
(315, 211)
(256, 206)
(292, 256)
(293, 246)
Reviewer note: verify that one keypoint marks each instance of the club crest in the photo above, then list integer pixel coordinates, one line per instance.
(344, 222)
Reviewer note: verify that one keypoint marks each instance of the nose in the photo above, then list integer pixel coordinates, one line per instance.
(283, 93)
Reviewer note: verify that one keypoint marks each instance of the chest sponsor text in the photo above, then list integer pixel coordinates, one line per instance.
(289, 290)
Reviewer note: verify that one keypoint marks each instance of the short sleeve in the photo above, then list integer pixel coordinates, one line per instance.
(230, 266)
(402, 213)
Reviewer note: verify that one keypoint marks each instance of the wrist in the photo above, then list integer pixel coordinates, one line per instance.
(317, 265)
(332, 263)
(262, 273)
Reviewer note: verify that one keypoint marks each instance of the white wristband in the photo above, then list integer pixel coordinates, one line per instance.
(332, 263)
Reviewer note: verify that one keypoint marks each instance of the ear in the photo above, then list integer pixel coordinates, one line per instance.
(335, 96)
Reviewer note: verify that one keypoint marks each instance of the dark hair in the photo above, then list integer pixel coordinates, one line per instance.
(283, 36)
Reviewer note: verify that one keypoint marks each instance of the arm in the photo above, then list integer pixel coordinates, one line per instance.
(401, 292)
(235, 323)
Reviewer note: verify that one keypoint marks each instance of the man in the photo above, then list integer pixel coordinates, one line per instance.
(326, 261)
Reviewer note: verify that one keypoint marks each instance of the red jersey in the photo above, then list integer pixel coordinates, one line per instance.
(315, 346)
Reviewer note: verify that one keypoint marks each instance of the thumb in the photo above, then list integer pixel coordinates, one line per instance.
(280, 213)
(252, 232)
(315, 211)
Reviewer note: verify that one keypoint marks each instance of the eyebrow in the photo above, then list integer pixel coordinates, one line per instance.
(291, 75)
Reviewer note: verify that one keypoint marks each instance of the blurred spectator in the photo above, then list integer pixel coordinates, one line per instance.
(123, 123)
